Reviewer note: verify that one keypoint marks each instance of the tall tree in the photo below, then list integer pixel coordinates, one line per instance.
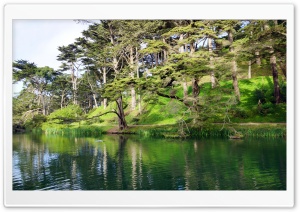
(117, 66)
(230, 27)
(269, 36)
(69, 55)
(37, 77)
(98, 50)
(61, 89)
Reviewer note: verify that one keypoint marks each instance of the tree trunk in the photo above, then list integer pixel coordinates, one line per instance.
(184, 84)
(230, 38)
(275, 79)
(62, 99)
(212, 79)
(249, 69)
(196, 88)
(137, 62)
(115, 65)
(121, 114)
(165, 53)
(192, 48)
(235, 80)
(95, 100)
(104, 103)
(196, 92)
(93, 91)
(257, 57)
(234, 69)
(156, 59)
(185, 89)
(74, 85)
(43, 104)
(138, 76)
(181, 48)
(266, 26)
(133, 98)
(104, 82)
(212, 73)
(90, 103)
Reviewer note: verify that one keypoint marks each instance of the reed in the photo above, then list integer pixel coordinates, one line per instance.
(172, 131)
(80, 131)
(214, 132)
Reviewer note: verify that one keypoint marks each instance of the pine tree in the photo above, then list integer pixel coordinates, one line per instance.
(269, 38)
(229, 28)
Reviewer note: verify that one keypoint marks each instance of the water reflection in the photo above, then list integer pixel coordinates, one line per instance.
(43, 162)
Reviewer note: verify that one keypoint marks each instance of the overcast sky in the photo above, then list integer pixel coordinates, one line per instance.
(37, 40)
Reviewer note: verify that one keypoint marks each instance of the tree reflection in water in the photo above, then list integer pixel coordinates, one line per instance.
(43, 162)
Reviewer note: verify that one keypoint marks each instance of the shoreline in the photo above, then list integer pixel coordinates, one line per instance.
(250, 129)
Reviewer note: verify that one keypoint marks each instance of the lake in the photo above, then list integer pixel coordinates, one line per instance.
(117, 162)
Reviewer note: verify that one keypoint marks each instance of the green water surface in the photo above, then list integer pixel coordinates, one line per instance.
(53, 162)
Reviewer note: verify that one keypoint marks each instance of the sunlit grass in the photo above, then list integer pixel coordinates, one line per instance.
(167, 112)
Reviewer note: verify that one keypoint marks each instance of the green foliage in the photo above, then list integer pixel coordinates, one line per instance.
(282, 86)
(80, 131)
(68, 114)
(154, 58)
(163, 111)
(25, 101)
(36, 122)
(240, 113)
(263, 94)
(154, 46)
(214, 131)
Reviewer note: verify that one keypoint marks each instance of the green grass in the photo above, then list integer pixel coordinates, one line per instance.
(247, 109)
(214, 130)
(78, 131)
(164, 111)
(167, 112)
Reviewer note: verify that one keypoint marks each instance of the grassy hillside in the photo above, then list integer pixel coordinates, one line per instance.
(164, 111)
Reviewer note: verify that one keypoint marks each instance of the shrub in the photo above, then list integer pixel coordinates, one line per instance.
(266, 108)
(35, 122)
(239, 113)
(69, 113)
(263, 94)
(266, 93)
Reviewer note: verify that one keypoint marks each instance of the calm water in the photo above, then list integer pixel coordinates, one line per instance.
(43, 162)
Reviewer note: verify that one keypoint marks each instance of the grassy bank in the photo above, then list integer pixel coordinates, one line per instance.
(173, 131)
(268, 131)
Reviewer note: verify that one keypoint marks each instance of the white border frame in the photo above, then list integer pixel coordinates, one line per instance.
(147, 198)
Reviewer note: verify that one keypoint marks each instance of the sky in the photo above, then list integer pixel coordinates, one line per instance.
(38, 41)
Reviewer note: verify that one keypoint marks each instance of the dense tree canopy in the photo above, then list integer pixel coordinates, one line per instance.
(129, 63)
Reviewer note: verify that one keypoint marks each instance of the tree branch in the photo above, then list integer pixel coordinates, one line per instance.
(170, 96)
(81, 119)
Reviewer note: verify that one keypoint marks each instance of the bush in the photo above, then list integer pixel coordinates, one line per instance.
(35, 122)
(239, 113)
(266, 108)
(266, 93)
(69, 113)
(263, 94)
